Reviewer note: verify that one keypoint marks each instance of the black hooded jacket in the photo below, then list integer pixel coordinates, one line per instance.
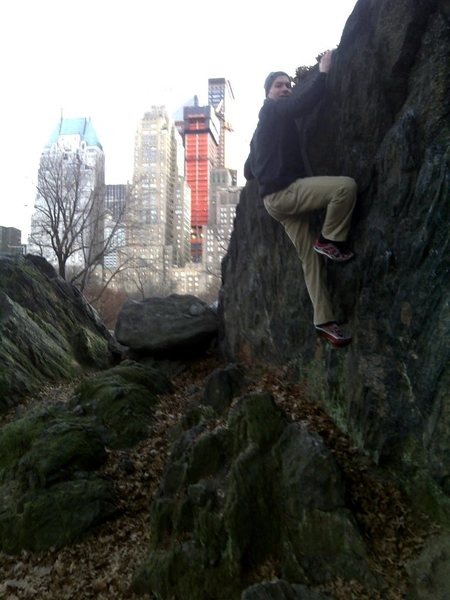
(275, 159)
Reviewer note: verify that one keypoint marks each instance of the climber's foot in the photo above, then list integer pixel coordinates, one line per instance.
(337, 251)
(334, 334)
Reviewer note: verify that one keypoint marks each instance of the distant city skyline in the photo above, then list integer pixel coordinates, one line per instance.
(111, 61)
(165, 232)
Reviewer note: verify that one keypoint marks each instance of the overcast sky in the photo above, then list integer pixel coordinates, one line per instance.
(112, 60)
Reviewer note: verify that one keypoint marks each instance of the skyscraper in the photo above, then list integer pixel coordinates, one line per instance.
(158, 232)
(222, 211)
(221, 97)
(201, 130)
(67, 225)
(117, 198)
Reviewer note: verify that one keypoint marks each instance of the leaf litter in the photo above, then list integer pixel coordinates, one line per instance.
(103, 563)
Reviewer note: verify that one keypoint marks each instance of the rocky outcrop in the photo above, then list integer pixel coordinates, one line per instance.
(175, 326)
(49, 492)
(384, 121)
(235, 496)
(52, 490)
(48, 332)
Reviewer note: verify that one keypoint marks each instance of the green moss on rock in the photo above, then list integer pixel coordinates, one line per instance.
(53, 517)
(48, 332)
(123, 399)
(16, 439)
(69, 445)
(49, 494)
(230, 498)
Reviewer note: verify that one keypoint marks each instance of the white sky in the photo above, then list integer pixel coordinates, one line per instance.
(111, 60)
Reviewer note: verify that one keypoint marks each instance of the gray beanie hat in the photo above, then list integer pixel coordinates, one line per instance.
(271, 78)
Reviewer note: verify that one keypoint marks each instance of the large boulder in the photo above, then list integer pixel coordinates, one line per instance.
(171, 326)
(48, 332)
(384, 121)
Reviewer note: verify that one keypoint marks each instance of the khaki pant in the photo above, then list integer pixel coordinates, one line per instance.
(291, 207)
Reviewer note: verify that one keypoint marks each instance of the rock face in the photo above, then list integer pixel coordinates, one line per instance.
(384, 121)
(47, 330)
(173, 326)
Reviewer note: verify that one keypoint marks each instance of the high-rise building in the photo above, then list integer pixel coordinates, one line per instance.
(190, 279)
(117, 198)
(201, 131)
(10, 241)
(222, 211)
(158, 219)
(182, 223)
(221, 97)
(70, 199)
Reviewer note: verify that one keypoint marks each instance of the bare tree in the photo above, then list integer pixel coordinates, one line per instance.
(69, 222)
(146, 279)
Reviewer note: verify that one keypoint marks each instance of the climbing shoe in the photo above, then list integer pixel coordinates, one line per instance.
(334, 334)
(337, 251)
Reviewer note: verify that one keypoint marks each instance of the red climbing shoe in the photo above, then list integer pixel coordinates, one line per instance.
(332, 251)
(334, 334)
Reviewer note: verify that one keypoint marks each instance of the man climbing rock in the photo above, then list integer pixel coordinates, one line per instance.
(289, 196)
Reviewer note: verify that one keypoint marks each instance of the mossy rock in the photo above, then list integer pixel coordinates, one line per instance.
(31, 352)
(16, 439)
(176, 574)
(123, 399)
(251, 513)
(48, 446)
(53, 517)
(197, 415)
(89, 349)
(68, 446)
(48, 332)
(49, 495)
(210, 454)
(257, 489)
(256, 419)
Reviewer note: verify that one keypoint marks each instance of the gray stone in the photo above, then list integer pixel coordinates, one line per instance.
(222, 386)
(167, 327)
